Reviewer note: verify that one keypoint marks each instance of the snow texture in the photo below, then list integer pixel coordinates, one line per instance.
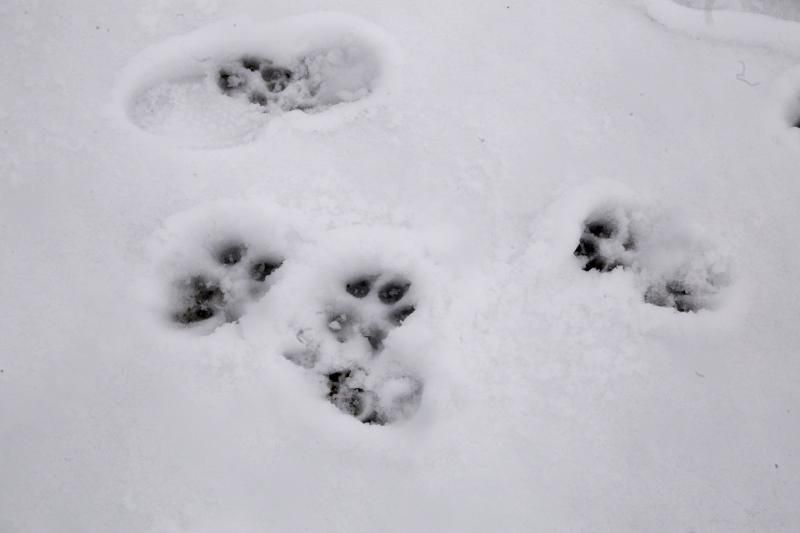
(357, 306)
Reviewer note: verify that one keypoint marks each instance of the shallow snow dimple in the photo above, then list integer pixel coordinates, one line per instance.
(221, 85)
(188, 111)
(677, 268)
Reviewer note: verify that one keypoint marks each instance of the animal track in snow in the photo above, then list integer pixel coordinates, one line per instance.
(680, 294)
(393, 399)
(213, 262)
(273, 87)
(378, 305)
(369, 306)
(356, 313)
(220, 85)
(221, 291)
(606, 242)
(677, 269)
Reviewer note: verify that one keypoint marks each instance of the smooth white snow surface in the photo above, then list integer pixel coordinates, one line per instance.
(523, 393)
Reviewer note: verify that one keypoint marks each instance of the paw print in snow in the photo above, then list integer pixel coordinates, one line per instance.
(346, 391)
(606, 243)
(258, 79)
(688, 289)
(378, 303)
(222, 84)
(201, 299)
(377, 306)
(678, 275)
(222, 291)
(346, 349)
(395, 398)
(211, 262)
(673, 293)
(273, 87)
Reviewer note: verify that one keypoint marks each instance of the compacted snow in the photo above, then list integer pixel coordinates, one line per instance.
(400, 266)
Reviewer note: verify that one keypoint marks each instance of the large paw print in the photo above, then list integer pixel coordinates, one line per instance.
(686, 281)
(221, 291)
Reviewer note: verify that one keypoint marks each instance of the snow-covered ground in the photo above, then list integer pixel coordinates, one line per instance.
(349, 265)
(787, 9)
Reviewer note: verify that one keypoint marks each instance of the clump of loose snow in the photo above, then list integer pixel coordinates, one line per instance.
(222, 84)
